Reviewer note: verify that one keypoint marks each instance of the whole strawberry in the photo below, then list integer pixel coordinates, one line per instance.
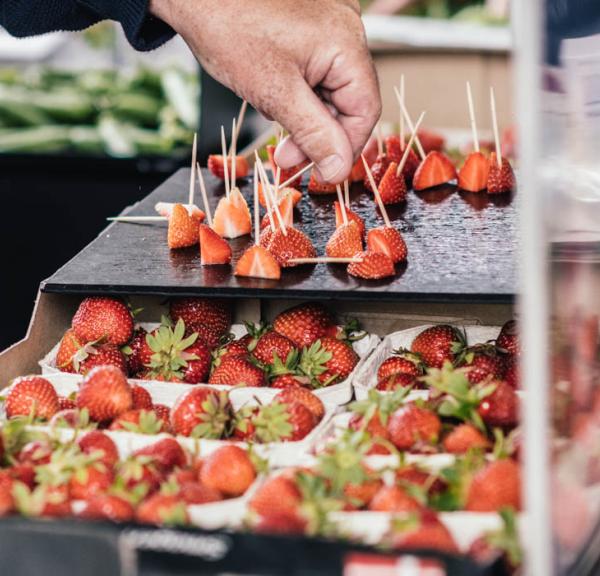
(213, 313)
(411, 427)
(105, 393)
(501, 407)
(202, 413)
(68, 348)
(304, 396)
(283, 422)
(98, 443)
(437, 344)
(397, 381)
(139, 421)
(328, 361)
(401, 362)
(166, 454)
(508, 339)
(198, 368)
(138, 352)
(101, 318)
(102, 355)
(228, 470)
(32, 395)
(378, 169)
(483, 362)
(141, 398)
(273, 345)
(305, 323)
(237, 371)
(495, 486)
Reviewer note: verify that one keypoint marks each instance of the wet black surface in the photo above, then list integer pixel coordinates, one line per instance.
(461, 247)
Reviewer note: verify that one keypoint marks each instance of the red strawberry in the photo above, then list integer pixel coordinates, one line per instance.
(214, 313)
(496, 485)
(163, 413)
(137, 472)
(508, 339)
(273, 344)
(410, 426)
(89, 481)
(393, 499)
(482, 362)
(162, 509)
(435, 170)
(372, 266)
(304, 396)
(237, 371)
(96, 442)
(195, 493)
(423, 530)
(258, 262)
(328, 361)
(65, 403)
(282, 422)
(101, 318)
(305, 323)
(197, 368)
(397, 381)
(431, 140)
(166, 454)
(473, 176)
(345, 242)
(291, 244)
(141, 398)
(36, 453)
(375, 428)
(403, 362)
(387, 240)
(139, 421)
(201, 413)
(138, 352)
(103, 355)
(107, 507)
(105, 393)
(286, 173)
(317, 187)
(228, 470)
(48, 501)
(463, 438)
(277, 495)
(501, 407)
(361, 494)
(6, 500)
(395, 153)
(437, 344)
(69, 346)
(31, 395)
(501, 179)
(378, 169)
(289, 381)
(214, 250)
(280, 524)
(511, 374)
(216, 165)
(392, 187)
(351, 216)
(183, 230)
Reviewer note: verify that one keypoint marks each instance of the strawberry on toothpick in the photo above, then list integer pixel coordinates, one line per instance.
(257, 261)
(371, 266)
(501, 177)
(473, 175)
(347, 239)
(183, 229)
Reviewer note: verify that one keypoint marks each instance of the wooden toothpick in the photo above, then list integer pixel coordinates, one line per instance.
(495, 126)
(347, 193)
(256, 208)
(233, 153)
(266, 194)
(296, 175)
(472, 117)
(139, 219)
(376, 192)
(410, 123)
(409, 145)
(238, 124)
(192, 174)
(324, 260)
(225, 157)
(341, 202)
(402, 133)
(204, 195)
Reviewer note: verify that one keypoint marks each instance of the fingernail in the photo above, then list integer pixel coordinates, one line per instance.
(331, 166)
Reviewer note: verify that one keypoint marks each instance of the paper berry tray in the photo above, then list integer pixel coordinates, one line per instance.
(366, 376)
(278, 454)
(337, 394)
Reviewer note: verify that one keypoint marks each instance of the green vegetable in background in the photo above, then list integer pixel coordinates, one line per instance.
(181, 95)
(41, 139)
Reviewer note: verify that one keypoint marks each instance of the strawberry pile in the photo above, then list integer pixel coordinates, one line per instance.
(304, 347)
(86, 477)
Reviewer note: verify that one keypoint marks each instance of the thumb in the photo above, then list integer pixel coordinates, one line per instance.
(314, 132)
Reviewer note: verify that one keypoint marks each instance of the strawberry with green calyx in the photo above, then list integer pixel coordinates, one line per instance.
(173, 354)
(289, 380)
(243, 426)
(398, 381)
(166, 454)
(394, 499)
(15, 434)
(272, 347)
(415, 427)
(32, 396)
(202, 413)
(162, 509)
(328, 361)
(503, 543)
(483, 362)
(101, 445)
(439, 343)
(139, 473)
(101, 318)
(90, 480)
(105, 393)
(401, 361)
(458, 399)
(282, 422)
(237, 371)
(36, 452)
(304, 396)
(73, 418)
(214, 313)
(138, 353)
(41, 501)
(139, 421)
(305, 323)
(463, 438)
(67, 350)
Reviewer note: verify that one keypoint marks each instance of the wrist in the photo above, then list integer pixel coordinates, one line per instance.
(162, 9)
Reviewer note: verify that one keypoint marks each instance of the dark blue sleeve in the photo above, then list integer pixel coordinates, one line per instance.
(32, 17)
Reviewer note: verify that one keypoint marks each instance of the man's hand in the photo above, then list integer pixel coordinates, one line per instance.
(303, 63)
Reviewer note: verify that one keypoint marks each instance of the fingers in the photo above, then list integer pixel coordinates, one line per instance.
(314, 132)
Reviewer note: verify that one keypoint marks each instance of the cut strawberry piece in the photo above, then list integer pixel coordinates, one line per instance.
(500, 179)
(431, 141)
(296, 195)
(217, 166)
(473, 176)
(345, 242)
(316, 187)
(257, 262)
(232, 217)
(436, 169)
(295, 244)
(378, 169)
(166, 209)
(388, 241)
(395, 153)
(286, 173)
(373, 266)
(392, 188)
(213, 248)
(183, 228)
(286, 207)
(352, 217)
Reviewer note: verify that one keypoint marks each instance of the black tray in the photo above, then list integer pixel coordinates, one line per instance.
(72, 547)
(462, 247)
